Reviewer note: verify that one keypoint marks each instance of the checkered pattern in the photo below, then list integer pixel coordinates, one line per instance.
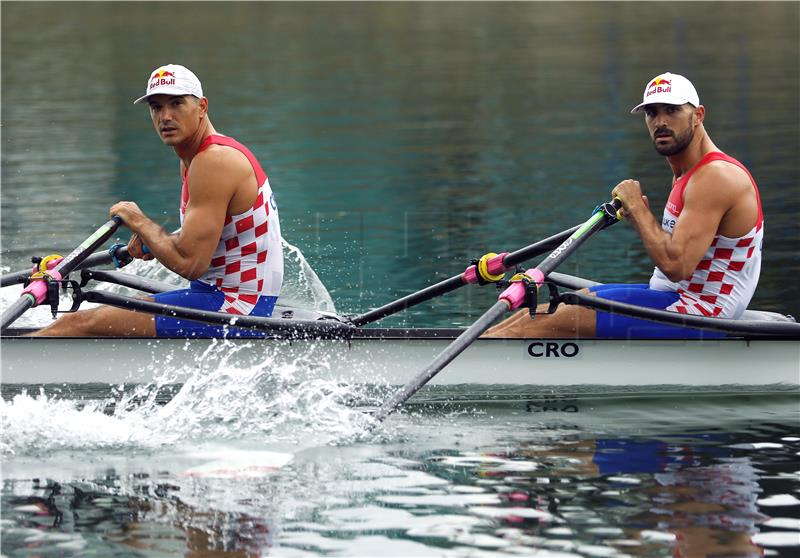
(248, 261)
(725, 279)
(728, 271)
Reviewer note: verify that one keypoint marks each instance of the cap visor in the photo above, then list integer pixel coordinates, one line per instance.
(164, 91)
(659, 100)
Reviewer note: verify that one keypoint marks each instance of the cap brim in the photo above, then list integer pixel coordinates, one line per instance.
(164, 91)
(663, 100)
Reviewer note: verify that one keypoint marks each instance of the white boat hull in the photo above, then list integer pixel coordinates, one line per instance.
(725, 363)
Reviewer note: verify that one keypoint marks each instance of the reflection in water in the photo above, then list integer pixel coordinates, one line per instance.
(563, 489)
(696, 494)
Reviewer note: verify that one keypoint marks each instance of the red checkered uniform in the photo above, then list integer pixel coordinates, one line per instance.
(725, 279)
(248, 261)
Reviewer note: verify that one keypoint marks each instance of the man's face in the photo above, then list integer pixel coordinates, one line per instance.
(175, 117)
(671, 127)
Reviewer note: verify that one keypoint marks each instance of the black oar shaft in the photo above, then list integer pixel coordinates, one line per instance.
(127, 280)
(453, 283)
(17, 309)
(293, 329)
(445, 357)
(406, 302)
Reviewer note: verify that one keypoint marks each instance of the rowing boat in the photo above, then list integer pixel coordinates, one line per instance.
(390, 355)
(761, 352)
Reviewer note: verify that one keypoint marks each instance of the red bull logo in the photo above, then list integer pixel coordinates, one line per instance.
(161, 77)
(659, 85)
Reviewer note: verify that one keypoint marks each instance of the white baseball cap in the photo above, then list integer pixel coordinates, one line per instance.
(669, 89)
(172, 79)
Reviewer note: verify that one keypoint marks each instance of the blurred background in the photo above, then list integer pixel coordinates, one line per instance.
(401, 139)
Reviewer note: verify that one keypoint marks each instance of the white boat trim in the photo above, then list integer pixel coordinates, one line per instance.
(395, 356)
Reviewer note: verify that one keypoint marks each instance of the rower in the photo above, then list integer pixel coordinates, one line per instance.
(229, 244)
(706, 248)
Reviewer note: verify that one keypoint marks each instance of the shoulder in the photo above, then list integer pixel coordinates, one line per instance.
(721, 173)
(719, 180)
(219, 166)
(219, 158)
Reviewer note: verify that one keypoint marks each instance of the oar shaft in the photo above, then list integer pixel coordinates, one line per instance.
(453, 283)
(597, 221)
(292, 329)
(99, 258)
(445, 357)
(37, 290)
(17, 309)
(408, 301)
(79, 254)
(127, 280)
(524, 254)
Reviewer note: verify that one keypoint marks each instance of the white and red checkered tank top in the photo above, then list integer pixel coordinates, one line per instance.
(726, 277)
(248, 261)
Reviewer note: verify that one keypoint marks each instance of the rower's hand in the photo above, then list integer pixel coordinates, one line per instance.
(129, 212)
(136, 249)
(630, 193)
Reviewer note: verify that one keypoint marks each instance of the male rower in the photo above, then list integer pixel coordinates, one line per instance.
(229, 244)
(707, 247)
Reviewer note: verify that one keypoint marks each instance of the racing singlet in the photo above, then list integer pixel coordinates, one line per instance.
(248, 261)
(726, 277)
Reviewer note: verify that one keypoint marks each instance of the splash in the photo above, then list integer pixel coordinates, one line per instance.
(224, 397)
(302, 287)
(221, 394)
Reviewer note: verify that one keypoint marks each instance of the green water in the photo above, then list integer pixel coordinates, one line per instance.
(402, 140)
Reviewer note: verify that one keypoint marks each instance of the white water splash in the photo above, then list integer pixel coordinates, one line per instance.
(272, 401)
(302, 287)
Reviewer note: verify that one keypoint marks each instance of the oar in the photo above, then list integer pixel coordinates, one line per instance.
(498, 264)
(279, 327)
(36, 292)
(510, 299)
(100, 258)
(152, 286)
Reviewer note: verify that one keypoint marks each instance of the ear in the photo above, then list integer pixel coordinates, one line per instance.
(203, 102)
(700, 114)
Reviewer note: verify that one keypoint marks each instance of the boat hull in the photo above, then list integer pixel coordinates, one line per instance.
(396, 359)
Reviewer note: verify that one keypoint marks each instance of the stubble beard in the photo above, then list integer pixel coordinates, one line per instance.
(680, 144)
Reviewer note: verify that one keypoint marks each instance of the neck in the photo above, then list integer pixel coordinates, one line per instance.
(700, 146)
(187, 150)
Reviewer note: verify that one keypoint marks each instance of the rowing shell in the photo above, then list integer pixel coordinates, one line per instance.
(391, 356)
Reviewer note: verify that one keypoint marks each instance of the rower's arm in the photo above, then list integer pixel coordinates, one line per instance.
(212, 181)
(706, 201)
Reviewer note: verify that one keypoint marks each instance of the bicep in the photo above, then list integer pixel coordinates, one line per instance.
(201, 228)
(704, 207)
(210, 192)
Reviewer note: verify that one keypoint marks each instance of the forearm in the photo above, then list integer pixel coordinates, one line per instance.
(168, 248)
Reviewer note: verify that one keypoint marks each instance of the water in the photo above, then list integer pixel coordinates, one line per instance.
(402, 140)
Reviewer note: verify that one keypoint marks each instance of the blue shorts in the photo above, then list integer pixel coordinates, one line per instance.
(205, 297)
(617, 326)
